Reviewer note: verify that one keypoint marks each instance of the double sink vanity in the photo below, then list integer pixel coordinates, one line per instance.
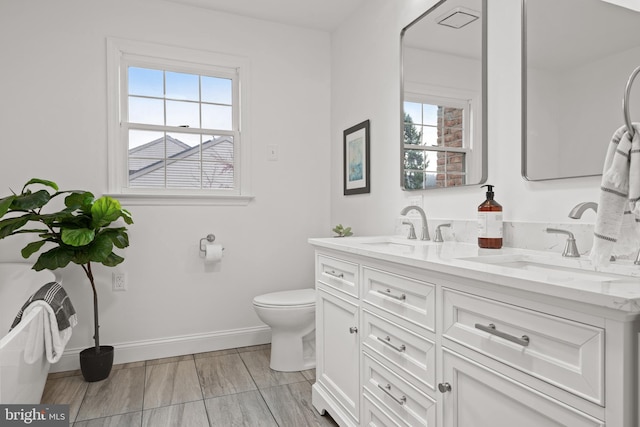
(418, 333)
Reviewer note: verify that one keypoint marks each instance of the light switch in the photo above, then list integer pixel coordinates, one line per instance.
(272, 152)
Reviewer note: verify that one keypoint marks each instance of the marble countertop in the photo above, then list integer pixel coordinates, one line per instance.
(616, 286)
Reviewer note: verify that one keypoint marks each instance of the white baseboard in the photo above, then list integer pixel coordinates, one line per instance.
(173, 346)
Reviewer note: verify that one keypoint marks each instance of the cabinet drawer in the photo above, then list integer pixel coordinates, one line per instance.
(411, 299)
(338, 274)
(396, 396)
(374, 416)
(411, 352)
(562, 352)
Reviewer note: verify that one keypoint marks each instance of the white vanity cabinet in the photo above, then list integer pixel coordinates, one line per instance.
(403, 345)
(337, 387)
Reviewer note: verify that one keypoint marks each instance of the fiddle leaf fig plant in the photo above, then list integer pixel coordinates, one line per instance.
(81, 232)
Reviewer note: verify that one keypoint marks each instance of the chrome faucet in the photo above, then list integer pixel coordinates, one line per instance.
(438, 237)
(423, 216)
(570, 249)
(412, 230)
(579, 209)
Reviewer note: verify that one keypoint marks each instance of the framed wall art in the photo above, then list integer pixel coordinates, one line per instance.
(357, 172)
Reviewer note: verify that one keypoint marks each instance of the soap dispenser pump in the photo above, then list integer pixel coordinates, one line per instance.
(490, 222)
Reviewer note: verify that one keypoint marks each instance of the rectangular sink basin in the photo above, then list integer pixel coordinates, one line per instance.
(551, 268)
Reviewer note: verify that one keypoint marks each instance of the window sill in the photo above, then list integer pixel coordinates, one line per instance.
(142, 199)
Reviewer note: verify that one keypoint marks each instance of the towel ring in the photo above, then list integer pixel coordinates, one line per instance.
(625, 102)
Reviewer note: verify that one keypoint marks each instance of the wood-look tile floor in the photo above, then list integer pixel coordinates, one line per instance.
(224, 388)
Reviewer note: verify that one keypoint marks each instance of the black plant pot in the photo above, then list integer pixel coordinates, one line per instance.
(96, 366)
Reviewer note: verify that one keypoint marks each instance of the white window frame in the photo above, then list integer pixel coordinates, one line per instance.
(124, 53)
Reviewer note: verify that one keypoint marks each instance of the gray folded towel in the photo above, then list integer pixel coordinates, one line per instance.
(54, 295)
(616, 229)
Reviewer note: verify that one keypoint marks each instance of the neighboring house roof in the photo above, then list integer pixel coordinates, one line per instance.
(183, 164)
(147, 154)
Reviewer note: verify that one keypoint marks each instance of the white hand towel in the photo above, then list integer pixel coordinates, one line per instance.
(54, 330)
(45, 335)
(616, 231)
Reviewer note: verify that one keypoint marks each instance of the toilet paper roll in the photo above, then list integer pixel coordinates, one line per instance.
(213, 253)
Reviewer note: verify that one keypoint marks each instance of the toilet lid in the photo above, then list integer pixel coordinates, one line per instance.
(300, 297)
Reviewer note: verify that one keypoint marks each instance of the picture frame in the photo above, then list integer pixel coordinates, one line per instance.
(357, 159)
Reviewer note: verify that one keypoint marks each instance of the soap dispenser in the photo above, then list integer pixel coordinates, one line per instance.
(490, 222)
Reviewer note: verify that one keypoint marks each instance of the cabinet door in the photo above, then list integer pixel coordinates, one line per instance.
(474, 395)
(338, 351)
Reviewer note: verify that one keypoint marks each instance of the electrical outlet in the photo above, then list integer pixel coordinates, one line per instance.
(414, 201)
(119, 281)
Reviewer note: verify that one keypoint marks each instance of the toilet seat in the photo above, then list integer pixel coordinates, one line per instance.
(295, 298)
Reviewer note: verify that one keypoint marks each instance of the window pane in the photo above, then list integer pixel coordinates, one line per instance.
(430, 136)
(431, 159)
(412, 134)
(138, 138)
(217, 175)
(183, 174)
(430, 114)
(430, 180)
(182, 86)
(146, 82)
(149, 176)
(216, 117)
(218, 149)
(414, 159)
(183, 146)
(455, 162)
(145, 110)
(452, 127)
(216, 90)
(413, 180)
(183, 114)
(146, 158)
(455, 180)
(414, 110)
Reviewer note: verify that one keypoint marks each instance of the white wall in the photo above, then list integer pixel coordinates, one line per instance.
(365, 85)
(54, 122)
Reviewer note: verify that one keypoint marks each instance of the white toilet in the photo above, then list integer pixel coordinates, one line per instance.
(292, 318)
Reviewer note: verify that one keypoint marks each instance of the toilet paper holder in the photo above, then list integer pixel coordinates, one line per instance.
(210, 238)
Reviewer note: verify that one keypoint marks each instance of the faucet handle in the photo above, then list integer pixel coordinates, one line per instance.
(412, 230)
(438, 237)
(570, 249)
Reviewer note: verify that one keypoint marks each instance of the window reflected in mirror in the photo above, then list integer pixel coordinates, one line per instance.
(436, 144)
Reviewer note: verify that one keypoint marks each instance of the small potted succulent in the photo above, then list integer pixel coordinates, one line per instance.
(342, 231)
(81, 233)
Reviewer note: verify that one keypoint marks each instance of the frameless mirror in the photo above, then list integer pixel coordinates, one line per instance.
(443, 90)
(577, 58)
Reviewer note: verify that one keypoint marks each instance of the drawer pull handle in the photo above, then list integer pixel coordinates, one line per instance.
(387, 340)
(353, 330)
(388, 293)
(387, 389)
(491, 329)
(444, 387)
(334, 274)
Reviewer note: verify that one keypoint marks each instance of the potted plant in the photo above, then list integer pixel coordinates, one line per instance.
(81, 233)
(342, 231)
